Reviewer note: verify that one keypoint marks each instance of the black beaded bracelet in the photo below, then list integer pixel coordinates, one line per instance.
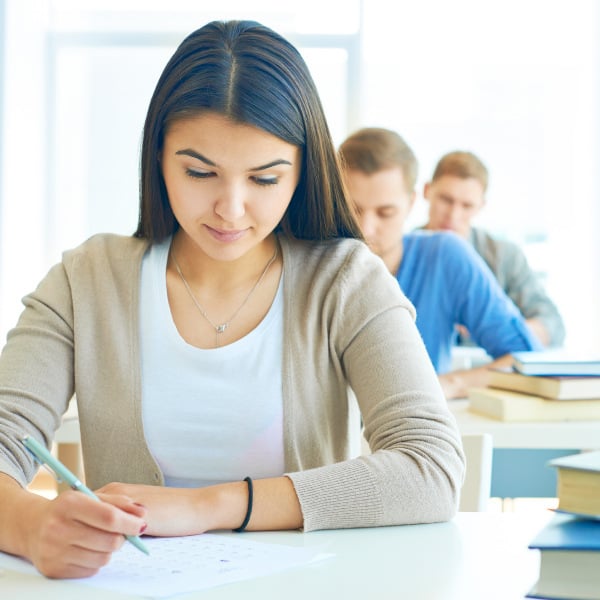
(243, 526)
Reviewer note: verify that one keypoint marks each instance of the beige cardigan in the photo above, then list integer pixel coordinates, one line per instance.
(346, 322)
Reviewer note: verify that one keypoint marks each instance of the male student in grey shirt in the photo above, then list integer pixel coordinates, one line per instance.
(456, 193)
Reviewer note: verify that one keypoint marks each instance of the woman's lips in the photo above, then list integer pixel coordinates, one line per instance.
(226, 235)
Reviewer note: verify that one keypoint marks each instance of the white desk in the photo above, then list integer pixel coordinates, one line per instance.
(475, 556)
(557, 435)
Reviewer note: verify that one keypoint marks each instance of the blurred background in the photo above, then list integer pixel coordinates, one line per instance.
(517, 82)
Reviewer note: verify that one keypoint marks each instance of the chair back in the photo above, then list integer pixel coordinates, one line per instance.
(475, 492)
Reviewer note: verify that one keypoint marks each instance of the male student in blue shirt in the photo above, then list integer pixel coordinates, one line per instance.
(440, 273)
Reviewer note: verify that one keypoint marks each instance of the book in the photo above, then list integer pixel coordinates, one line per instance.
(505, 405)
(578, 483)
(556, 387)
(569, 559)
(555, 362)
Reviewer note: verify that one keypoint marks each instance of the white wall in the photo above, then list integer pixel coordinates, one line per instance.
(516, 82)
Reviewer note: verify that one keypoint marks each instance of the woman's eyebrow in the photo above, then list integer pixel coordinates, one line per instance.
(273, 163)
(198, 156)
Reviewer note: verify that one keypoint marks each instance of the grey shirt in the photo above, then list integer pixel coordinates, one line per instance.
(509, 264)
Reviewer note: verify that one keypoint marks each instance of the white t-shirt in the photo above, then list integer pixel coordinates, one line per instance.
(210, 416)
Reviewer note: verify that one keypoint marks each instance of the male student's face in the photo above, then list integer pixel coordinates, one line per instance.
(453, 202)
(383, 203)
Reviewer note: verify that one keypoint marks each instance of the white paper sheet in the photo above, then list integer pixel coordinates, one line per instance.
(187, 564)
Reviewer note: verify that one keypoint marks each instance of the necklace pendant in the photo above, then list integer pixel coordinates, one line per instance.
(219, 329)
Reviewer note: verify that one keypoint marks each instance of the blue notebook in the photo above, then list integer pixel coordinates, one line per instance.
(565, 532)
(569, 559)
(556, 362)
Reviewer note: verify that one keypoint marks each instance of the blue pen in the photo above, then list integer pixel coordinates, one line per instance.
(45, 458)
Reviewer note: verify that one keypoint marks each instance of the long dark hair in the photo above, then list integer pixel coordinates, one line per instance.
(252, 75)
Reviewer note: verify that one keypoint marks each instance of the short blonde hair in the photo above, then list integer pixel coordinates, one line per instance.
(374, 149)
(464, 165)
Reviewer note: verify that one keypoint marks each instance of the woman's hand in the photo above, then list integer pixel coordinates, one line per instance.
(75, 535)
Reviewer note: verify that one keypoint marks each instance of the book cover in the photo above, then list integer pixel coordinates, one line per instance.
(555, 387)
(583, 461)
(578, 483)
(555, 362)
(569, 559)
(505, 405)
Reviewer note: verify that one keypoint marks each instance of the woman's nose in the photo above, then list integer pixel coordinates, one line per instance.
(231, 203)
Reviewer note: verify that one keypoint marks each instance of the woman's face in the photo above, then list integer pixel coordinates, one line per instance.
(229, 184)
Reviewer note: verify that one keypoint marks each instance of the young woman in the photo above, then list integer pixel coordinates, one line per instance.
(217, 345)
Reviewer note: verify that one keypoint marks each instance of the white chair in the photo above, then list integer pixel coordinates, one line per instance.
(475, 492)
(476, 488)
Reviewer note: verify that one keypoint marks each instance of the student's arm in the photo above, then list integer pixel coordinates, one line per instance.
(456, 383)
(491, 317)
(476, 301)
(70, 536)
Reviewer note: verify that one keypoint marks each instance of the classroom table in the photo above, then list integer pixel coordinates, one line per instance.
(472, 557)
(534, 435)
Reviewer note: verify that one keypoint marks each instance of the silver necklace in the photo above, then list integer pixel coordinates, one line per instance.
(220, 328)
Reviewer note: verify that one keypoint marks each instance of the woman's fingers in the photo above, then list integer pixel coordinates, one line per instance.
(76, 535)
(125, 503)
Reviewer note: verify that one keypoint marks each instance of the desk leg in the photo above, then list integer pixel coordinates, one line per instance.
(70, 456)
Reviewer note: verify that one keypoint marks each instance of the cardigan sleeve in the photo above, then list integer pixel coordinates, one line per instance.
(36, 373)
(416, 469)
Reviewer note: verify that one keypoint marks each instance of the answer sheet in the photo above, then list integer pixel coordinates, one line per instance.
(187, 564)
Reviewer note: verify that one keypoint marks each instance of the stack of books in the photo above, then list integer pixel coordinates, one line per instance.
(541, 386)
(569, 545)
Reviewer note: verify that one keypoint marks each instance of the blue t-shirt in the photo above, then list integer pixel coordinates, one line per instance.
(449, 284)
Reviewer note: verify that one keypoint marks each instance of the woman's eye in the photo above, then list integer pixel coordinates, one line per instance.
(198, 174)
(266, 180)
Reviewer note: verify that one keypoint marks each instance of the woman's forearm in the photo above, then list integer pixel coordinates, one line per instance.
(276, 505)
(189, 511)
